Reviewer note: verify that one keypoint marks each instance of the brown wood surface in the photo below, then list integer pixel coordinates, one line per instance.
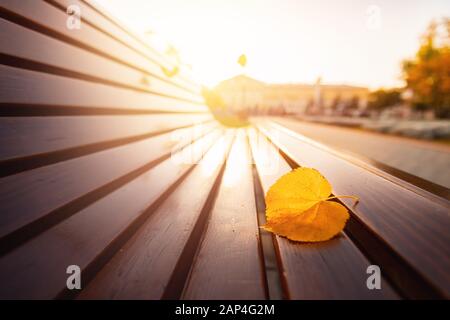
(145, 265)
(86, 181)
(37, 269)
(414, 225)
(28, 136)
(19, 86)
(228, 264)
(60, 186)
(52, 20)
(31, 49)
(334, 269)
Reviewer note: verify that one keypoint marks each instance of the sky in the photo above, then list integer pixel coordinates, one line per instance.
(356, 42)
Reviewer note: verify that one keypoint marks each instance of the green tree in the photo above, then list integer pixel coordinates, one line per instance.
(428, 74)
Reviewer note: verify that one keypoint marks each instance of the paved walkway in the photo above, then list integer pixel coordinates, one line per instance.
(424, 159)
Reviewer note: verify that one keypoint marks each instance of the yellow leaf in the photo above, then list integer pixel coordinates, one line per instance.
(296, 191)
(242, 60)
(319, 223)
(297, 207)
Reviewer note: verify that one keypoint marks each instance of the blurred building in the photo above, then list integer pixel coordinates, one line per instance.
(243, 92)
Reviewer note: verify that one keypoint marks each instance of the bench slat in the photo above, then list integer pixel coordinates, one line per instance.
(18, 86)
(228, 264)
(144, 266)
(37, 269)
(54, 20)
(67, 181)
(334, 269)
(24, 136)
(414, 225)
(32, 46)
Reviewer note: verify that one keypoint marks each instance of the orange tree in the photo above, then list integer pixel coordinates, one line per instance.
(428, 74)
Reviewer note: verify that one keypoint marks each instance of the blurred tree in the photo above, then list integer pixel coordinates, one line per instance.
(428, 74)
(309, 109)
(353, 103)
(381, 99)
(336, 102)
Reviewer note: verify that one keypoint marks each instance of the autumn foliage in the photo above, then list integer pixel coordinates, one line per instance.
(428, 74)
(298, 207)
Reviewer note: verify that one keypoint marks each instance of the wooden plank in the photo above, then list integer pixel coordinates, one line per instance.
(228, 264)
(31, 87)
(51, 20)
(37, 269)
(32, 46)
(413, 223)
(44, 190)
(334, 269)
(144, 266)
(96, 16)
(29, 136)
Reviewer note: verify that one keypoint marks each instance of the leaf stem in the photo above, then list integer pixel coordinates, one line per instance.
(355, 198)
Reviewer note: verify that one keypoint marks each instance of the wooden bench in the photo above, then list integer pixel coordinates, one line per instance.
(89, 129)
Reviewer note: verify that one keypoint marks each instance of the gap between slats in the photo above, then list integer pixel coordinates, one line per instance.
(148, 257)
(22, 63)
(96, 265)
(16, 165)
(267, 247)
(93, 235)
(15, 18)
(180, 274)
(32, 46)
(32, 229)
(43, 110)
(229, 257)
